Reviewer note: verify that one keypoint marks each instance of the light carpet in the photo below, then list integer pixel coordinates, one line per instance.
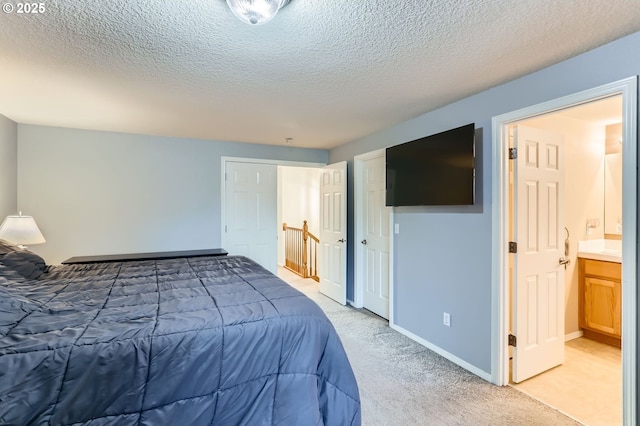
(403, 383)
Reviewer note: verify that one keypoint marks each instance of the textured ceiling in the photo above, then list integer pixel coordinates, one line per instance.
(322, 72)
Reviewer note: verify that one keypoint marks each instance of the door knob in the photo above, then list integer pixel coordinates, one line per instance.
(564, 261)
(364, 242)
(341, 240)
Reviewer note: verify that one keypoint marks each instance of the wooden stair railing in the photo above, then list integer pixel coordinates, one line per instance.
(301, 251)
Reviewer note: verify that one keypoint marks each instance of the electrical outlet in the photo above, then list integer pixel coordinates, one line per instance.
(397, 228)
(446, 319)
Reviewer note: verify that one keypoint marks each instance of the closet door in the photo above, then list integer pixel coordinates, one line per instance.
(251, 212)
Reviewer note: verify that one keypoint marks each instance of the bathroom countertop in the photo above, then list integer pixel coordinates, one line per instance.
(606, 250)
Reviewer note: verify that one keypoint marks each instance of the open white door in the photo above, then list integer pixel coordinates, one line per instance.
(333, 232)
(375, 241)
(538, 298)
(251, 227)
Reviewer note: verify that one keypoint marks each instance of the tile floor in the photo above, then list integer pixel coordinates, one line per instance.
(587, 387)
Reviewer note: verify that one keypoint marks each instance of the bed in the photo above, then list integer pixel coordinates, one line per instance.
(181, 341)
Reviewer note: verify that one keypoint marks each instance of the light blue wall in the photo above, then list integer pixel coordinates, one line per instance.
(8, 167)
(442, 256)
(97, 192)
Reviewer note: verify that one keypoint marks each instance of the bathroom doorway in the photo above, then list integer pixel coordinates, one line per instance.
(501, 295)
(590, 137)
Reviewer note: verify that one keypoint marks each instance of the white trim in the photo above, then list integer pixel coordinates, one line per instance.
(287, 163)
(499, 287)
(358, 290)
(629, 251)
(574, 335)
(392, 281)
(499, 266)
(437, 349)
(223, 198)
(358, 285)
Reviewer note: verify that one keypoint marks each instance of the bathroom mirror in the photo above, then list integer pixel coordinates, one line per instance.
(613, 181)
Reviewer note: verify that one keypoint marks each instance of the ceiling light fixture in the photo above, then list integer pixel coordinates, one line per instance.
(256, 12)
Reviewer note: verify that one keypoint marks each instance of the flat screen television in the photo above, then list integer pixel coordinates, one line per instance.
(437, 170)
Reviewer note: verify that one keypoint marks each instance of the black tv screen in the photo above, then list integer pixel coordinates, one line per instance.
(433, 171)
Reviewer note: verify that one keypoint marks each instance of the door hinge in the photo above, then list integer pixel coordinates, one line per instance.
(512, 340)
(513, 247)
(513, 153)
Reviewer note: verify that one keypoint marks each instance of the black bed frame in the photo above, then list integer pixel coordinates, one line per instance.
(144, 256)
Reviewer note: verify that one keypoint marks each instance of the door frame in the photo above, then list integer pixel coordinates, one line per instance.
(358, 290)
(500, 223)
(223, 189)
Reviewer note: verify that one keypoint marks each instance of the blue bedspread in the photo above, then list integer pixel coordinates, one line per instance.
(188, 341)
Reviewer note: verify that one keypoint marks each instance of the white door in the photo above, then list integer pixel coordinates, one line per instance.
(375, 240)
(538, 297)
(250, 212)
(333, 232)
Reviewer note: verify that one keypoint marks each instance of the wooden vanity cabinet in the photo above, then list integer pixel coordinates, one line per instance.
(600, 300)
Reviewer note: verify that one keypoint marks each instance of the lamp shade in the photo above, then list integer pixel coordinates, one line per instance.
(21, 230)
(256, 12)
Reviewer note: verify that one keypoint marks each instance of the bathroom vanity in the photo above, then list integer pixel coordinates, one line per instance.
(600, 290)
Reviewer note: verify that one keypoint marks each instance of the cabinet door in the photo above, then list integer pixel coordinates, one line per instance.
(602, 305)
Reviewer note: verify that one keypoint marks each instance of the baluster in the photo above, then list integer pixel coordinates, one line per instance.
(284, 228)
(305, 236)
(298, 254)
(289, 254)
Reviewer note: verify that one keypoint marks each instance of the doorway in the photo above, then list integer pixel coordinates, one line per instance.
(317, 198)
(501, 295)
(298, 200)
(592, 369)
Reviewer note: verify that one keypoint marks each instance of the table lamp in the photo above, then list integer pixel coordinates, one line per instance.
(21, 230)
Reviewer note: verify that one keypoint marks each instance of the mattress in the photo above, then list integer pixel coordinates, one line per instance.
(203, 340)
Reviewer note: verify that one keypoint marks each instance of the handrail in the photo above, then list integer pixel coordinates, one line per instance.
(301, 256)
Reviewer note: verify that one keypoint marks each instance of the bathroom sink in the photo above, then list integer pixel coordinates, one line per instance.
(607, 250)
(611, 251)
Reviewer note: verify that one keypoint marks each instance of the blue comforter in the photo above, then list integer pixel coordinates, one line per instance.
(190, 341)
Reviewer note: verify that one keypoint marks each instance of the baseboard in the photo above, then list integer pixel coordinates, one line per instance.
(462, 363)
(574, 335)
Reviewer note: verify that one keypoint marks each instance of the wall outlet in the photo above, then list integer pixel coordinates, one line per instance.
(397, 228)
(446, 319)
